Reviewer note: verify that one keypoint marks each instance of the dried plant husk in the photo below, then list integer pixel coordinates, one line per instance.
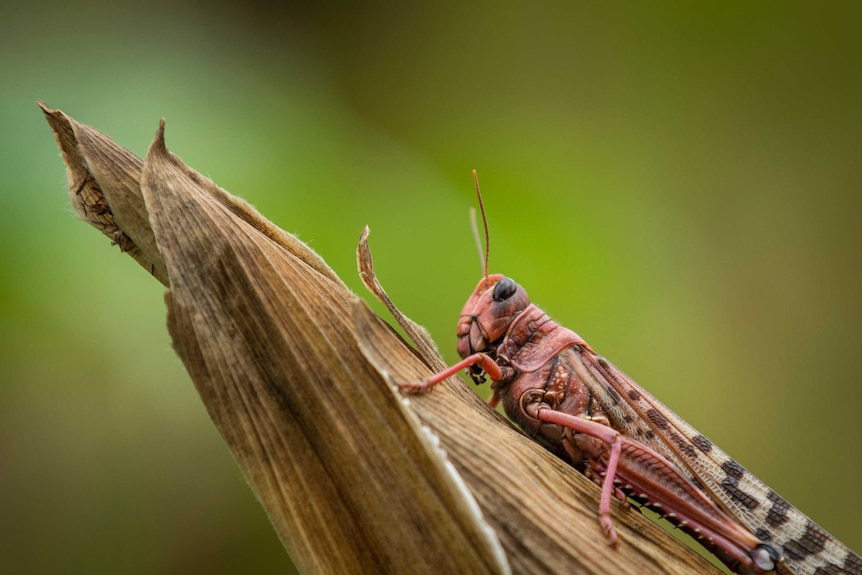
(296, 373)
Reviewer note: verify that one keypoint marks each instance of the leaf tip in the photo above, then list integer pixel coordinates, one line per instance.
(158, 144)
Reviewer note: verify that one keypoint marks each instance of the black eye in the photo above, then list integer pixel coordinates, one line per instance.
(505, 289)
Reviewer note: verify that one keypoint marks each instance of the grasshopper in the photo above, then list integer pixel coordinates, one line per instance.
(584, 409)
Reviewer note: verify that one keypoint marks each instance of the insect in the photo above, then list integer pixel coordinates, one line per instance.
(583, 408)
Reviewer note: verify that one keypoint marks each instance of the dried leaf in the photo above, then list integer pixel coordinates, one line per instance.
(420, 336)
(294, 371)
(104, 188)
(319, 436)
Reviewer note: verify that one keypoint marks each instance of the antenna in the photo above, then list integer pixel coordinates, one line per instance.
(476, 232)
(474, 227)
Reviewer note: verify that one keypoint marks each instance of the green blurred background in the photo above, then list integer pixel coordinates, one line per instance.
(679, 184)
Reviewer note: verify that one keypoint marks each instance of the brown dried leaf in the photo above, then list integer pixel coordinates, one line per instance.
(294, 370)
(324, 443)
(420, 336)
(104, 188)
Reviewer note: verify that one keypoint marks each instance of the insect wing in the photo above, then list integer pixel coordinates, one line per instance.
(807, 548)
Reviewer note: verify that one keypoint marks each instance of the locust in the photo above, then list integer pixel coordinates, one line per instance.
(584, 409)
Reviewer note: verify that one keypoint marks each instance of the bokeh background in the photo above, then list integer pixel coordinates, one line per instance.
(681, 184)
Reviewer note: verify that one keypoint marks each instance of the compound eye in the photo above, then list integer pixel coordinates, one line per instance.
(504, 289)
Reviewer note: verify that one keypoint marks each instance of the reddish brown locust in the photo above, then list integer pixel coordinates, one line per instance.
(591, 414)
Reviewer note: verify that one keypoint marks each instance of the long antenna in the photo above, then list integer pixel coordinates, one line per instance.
(485, 224)
(474, 227)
